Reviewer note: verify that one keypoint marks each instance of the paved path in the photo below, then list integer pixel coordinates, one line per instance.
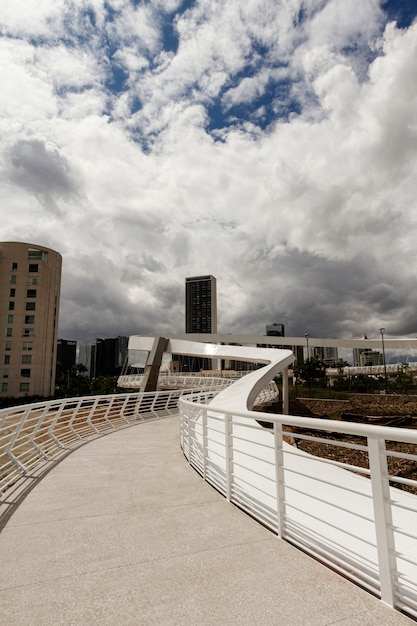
(123, 532)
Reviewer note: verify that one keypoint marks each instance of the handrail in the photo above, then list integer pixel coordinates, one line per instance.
(134, 381)
(358, 522)
(41, 432)
(34, 434)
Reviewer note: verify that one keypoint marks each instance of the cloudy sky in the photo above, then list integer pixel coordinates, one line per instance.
(271, 143)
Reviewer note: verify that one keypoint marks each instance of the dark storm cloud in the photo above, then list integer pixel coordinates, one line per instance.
(41, 169)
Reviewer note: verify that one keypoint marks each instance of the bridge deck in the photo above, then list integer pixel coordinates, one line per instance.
(123, 532)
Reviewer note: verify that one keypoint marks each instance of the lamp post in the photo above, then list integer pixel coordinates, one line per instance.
(307, 336)
(382, 331)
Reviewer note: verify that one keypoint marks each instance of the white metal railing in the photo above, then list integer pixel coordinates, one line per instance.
(133, 381)
(35, 433)
(359, 521)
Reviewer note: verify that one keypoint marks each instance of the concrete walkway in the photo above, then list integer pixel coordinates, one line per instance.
(123, 532)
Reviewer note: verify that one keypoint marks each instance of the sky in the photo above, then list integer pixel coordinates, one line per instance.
(270, 143)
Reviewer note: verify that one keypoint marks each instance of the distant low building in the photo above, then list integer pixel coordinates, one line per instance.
(368, 358)
(329, 356)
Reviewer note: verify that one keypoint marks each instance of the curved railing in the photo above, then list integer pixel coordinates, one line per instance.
(33, 435)
(134, 381)
(359, 521)
(357, 518)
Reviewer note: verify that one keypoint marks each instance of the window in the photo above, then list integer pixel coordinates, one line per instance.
(12, 292)
(7, 345)
(28, 332)
(7, 359)
(37, 255)
(4, 386)
(9, 332)
(32, 280)
(14, 267)
(24, 387)
(10, 319)
(25, 373)
(29, 319)
(33, 267)
(11, 305)
(31, 293)
(5, 373)
(30, 306)
(27, 345)
(26, 359)
(13, 279)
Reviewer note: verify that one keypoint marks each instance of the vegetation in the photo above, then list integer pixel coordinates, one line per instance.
(75, 382)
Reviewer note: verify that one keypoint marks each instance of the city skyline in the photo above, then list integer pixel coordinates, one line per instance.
(270, 144)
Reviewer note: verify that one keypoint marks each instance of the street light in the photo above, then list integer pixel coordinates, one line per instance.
(382, 331)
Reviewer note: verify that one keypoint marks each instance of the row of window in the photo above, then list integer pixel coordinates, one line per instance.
(27, 345)
(26, 358)
(33, 255)
(24, 372)
(27, 332)
(10, 317)
(29, 319)
(22, 387)
(30, 293)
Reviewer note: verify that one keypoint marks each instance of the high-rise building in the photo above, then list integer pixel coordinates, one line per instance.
(275, 330)
(328, 355)
(66, 356)
(108, 356)
(30, 283)
(200, 304)
(200, 317)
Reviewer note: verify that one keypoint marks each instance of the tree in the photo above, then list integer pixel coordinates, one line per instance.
(73, 382)
(404, 380)
(312, 370)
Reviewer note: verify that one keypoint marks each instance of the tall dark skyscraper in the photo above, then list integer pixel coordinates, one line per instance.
(200, 317)
(108, 356)
(201, 304)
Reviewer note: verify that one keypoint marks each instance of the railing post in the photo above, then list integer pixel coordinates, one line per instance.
(383, 518)
(228, 454)
(285, 392)
(279, 479)
(204, 427)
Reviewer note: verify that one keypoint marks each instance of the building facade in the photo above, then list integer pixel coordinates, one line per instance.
(30, 284)
(328, 355)
(201, 304)
(200, 317)
(108, 356)
(66, 356)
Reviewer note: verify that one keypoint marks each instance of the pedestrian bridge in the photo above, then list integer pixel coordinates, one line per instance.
(64, 526)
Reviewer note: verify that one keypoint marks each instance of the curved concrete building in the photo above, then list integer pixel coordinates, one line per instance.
(30, 283)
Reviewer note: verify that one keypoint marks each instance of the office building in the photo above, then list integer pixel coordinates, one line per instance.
(201, 304)
(30, 283)
(108, 356)
(328, 355)
(275, 330)
(66, 356)
(365, 357)
(200, 317)
(368, 358)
